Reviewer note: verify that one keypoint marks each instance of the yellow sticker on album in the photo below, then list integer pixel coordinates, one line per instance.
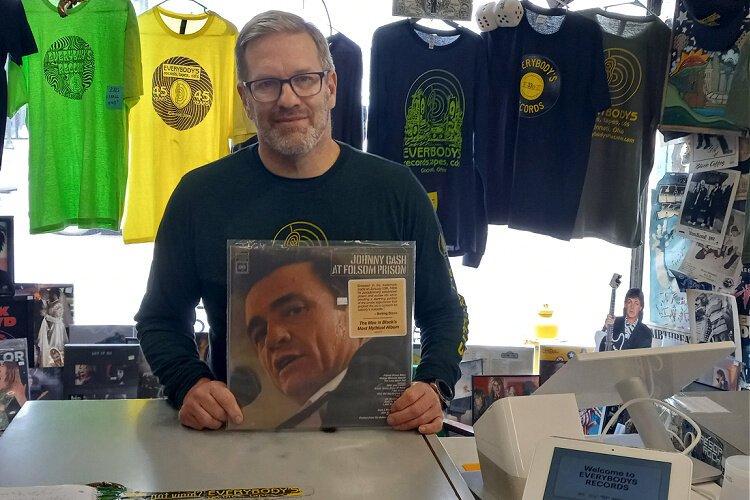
(377, 307)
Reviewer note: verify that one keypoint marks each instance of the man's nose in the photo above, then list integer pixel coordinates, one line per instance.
(288, 97)
(277, 334)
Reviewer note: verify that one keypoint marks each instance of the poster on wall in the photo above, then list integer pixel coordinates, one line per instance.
(707, 204)
(666, 302)
(718, 265)
(459, 10)
(6, 252)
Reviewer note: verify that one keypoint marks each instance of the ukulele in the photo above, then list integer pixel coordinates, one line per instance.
(614, 283)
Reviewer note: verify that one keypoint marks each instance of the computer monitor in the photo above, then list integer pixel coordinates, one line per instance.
(614, 377)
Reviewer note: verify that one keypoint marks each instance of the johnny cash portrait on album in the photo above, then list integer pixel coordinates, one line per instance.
(319, 336)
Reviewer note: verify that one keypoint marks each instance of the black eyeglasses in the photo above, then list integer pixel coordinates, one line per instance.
(269, 89)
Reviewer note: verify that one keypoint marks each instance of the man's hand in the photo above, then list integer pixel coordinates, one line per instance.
(208, 405)
(609, 321)
(417, 408)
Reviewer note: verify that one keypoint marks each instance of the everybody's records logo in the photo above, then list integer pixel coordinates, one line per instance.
(69, 66)
(182, 92)
(540, 85)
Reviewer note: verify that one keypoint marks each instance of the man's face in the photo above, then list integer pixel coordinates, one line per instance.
(632, 308)
(301, 337)
(291, 125)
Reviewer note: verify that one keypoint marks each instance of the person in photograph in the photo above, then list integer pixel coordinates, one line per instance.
(698, 203)
(628, 330)
(721, 380)
(52, 333)
(496, 388)
(56, 356)
(296, 185)
(12, 391)
(511, 391)
(480, 405)
(116, 374)
(84, 374)
(301, 337)
(4, 274)
(713, 314)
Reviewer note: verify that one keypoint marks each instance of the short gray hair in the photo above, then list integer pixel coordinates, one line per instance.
(276, 21)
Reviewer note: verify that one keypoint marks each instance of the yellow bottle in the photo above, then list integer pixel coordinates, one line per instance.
(546, 328)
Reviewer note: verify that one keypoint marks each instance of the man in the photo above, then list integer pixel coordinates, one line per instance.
(628, 332)
(301, 336)
(297, 186)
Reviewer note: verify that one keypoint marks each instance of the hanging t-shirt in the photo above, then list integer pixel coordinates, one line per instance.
(636, 52)
(701, 94)
(17, 41)
(79, 88)
(346, 118)
(192, 113)
(428, 93)
(561, 85)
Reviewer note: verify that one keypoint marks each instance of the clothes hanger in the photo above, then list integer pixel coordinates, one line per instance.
(205, 9)
(452, 24)
(637, 3)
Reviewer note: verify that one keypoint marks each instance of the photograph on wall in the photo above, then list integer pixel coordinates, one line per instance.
(713, 152)
(714, 318)
(14, 389)
(6, 251)
(101, 371)
(664, 336)
(592, 420)
(53, 316)
(489, 388)
(707, 205)
(719, 265)
(459, 10)
(319, 336)
(459, 408)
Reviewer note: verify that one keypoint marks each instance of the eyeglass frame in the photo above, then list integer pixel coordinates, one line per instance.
(282, 81)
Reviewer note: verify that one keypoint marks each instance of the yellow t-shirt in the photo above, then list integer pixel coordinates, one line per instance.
(192, 113)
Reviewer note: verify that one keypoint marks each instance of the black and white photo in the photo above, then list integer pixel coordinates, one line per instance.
(707, 205)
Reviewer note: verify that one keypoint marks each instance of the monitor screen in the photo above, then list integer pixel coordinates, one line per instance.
(585, 475)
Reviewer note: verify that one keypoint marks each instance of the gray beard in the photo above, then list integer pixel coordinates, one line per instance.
(295, 145)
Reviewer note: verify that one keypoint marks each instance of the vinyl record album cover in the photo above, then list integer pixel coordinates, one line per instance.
(319, 337)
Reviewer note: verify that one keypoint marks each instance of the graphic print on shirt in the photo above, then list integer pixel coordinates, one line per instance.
(434, 111)
(69, 66)
(624, 75)
(301, 233)
(182, 92)
(540, 85)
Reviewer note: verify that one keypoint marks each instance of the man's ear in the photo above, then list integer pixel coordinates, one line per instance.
(332, 83)
(247, 100)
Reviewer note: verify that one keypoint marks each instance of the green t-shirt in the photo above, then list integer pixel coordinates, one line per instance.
(79, 87)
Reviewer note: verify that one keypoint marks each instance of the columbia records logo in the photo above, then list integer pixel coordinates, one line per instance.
(623, 75)
(182, 92)
(540, 85)
(69, 66)
(301, 234)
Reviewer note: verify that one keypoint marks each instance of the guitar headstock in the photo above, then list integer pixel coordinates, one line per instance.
(615, 282)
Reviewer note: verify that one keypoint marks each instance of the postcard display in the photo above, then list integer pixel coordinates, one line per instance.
(699, 289)
(366, 293)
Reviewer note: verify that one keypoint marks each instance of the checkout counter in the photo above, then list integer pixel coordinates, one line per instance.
(140, 444)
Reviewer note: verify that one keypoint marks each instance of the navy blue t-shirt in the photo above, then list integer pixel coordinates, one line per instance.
(15, 39)
(428, 110)
(551, 69)
(347, 123)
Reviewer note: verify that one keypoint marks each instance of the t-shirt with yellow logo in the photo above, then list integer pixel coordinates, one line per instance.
(192, 112)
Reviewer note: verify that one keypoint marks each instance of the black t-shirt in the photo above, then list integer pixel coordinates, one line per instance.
(558, 84)
(17, 40)
(346, 117)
